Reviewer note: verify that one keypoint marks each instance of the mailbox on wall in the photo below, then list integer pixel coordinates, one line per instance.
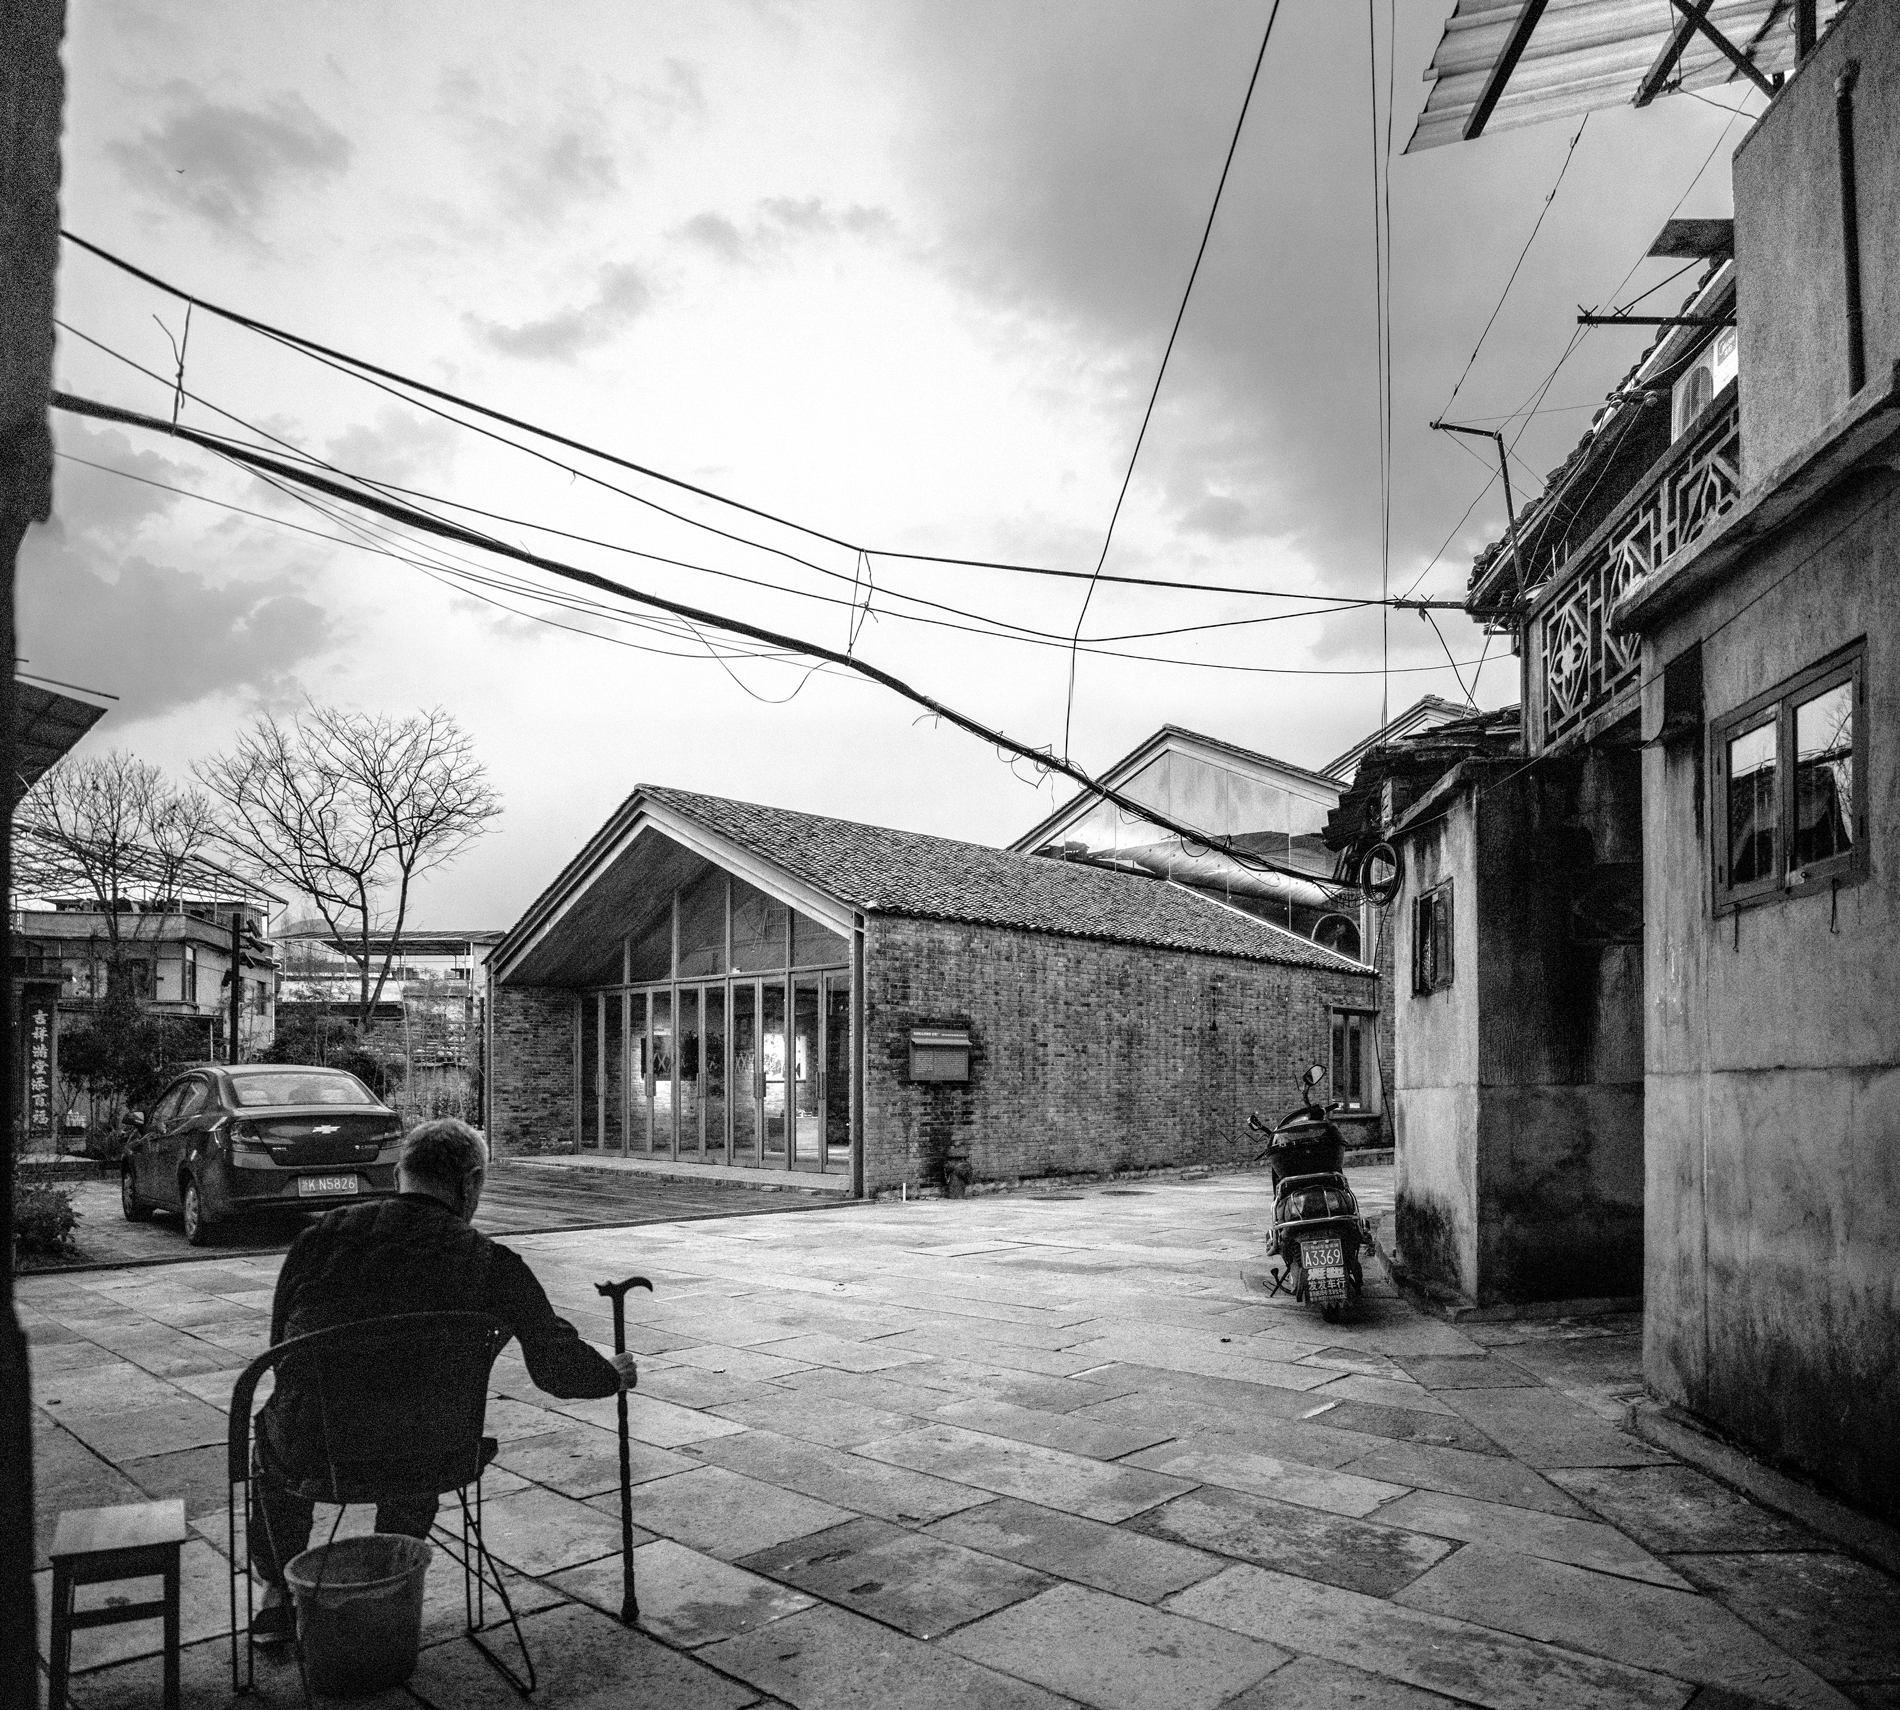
(939, 1053)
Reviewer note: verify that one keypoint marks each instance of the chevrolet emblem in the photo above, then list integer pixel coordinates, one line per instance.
(324, 1128)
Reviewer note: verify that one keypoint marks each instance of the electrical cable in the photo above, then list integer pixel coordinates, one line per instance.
(736, 626)
(1147, 415)
(371, 373)
(1334, 602)
(1521, 254)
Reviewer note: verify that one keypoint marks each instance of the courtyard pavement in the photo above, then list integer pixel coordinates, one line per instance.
(1022, 1450)
(517, 1198)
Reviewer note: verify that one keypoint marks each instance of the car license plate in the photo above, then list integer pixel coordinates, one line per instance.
(1325, 1269)
(330, 1184)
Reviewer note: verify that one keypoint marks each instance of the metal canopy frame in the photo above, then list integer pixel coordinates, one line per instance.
(1517, 62)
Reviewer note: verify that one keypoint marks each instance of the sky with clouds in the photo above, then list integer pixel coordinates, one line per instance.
(899, 270)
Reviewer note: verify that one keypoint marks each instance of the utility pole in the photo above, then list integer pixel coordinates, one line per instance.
(237, 975)
(32, 96)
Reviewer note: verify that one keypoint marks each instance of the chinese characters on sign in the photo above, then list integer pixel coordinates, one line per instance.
(39, 1071)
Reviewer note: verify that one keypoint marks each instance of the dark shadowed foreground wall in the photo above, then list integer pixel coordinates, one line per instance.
(1520, 1083)
(1773, 1041)
(1087, 1056)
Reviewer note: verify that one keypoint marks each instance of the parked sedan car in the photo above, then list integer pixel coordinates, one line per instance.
(225, 1141)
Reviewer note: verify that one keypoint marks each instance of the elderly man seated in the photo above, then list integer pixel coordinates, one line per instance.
(414, 1253)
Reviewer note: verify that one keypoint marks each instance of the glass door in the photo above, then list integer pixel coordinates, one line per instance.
(613, 1072)
(837, 1082)
(688, 1053)
(660, 1081)
(590, 1072)
(745, 1072)
(638, 1066)
(772, 1067)
(807, 1074)
(713, 1072)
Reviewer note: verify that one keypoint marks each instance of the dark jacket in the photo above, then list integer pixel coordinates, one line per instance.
(401, 1255)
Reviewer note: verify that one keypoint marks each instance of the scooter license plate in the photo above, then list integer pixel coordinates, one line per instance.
(1325, 1262)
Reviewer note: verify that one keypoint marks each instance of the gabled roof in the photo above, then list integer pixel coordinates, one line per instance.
(1426, 711)
(1173, 737)
(884, 871)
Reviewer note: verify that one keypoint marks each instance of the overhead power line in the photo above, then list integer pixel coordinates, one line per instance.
(428, 524)
(348, 364)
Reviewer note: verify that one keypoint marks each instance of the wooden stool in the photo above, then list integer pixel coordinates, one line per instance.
(93, 1545)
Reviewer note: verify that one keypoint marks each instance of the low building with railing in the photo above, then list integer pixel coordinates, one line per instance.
(1652, 1039)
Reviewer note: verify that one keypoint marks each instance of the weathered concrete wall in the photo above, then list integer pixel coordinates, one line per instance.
(1086, 1056)
(1435, 1100)
(530, 1089)
(1560, 1142)
(1791, 310)
(1520, 1095)
(1773, 1049)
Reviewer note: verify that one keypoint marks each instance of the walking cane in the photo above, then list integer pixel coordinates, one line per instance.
(629, 1604)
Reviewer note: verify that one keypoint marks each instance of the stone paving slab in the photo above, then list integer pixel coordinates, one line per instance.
(1445, 1514)
(686, 1599)
(1109, 1558)
(920, 1584)
(1109, 1652)
(832, 1475)
(1582, 1543)
(1311, 1487)
(1376, 1559)
(1678, 1508)
(1646, 1626)
(1839, 1616)
(830, 1659)
(1093, 1489)
(1462, 1659)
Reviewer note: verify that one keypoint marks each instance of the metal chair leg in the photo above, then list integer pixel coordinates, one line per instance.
(483, 1565)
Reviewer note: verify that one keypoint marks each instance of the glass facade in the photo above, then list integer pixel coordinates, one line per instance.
(730, 1043)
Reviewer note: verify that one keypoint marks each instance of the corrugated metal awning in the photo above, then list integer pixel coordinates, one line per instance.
(1520, 62)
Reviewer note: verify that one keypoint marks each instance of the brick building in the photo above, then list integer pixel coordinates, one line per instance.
(716, 985)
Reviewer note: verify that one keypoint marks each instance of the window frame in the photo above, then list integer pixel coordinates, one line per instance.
(1340, 1020)
(1776, 709)
(1443, 967)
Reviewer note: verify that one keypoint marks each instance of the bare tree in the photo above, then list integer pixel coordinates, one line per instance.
(112, 830)
(351, 809)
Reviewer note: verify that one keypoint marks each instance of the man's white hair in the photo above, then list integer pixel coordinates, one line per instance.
(442, 1152)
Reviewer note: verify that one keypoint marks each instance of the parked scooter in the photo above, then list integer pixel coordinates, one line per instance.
(1317, 1230)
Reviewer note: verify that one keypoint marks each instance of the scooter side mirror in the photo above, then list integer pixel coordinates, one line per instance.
(1312, 1077)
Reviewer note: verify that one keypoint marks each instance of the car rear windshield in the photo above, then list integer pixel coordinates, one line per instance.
(300, 1086)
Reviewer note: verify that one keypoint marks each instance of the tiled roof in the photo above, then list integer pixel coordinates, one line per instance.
(938, 878)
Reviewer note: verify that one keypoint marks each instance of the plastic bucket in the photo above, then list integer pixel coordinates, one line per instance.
(359, 1611)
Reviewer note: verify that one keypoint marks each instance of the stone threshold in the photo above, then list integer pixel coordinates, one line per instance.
(1690, 1439)
(766, 1181)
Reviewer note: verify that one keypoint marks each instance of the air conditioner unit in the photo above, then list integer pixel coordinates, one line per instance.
(1714, 367)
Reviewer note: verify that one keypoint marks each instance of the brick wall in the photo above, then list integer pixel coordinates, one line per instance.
(531, 1069)
(1085, 1056)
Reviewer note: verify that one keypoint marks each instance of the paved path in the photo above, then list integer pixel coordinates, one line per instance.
(1025, 1450)
(516, 1200)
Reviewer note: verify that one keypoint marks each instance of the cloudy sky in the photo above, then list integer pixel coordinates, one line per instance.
(899, 270)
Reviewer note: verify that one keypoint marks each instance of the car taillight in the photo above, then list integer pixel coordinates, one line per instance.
(248, 1150)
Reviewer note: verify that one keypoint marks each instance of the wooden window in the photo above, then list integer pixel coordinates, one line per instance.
(1788, 786)
(1431, 939)
(1355, 1083)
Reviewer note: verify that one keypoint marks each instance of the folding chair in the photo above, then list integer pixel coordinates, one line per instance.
(399, 1407)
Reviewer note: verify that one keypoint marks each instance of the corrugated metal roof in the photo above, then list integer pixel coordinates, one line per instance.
(1585, 54)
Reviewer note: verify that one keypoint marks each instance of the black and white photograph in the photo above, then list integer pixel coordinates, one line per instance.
(950, 854)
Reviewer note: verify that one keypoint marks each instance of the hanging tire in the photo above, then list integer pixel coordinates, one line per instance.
(134, 1207)
(198, 1227)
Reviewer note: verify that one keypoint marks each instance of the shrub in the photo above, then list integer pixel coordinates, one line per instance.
(43, 1219)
